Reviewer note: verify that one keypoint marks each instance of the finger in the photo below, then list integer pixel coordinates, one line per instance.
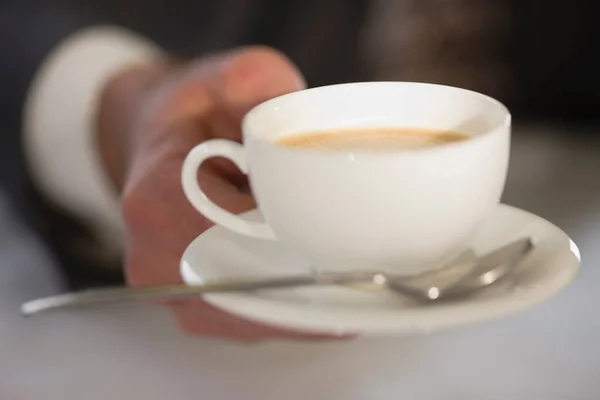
(149, 264)
(220, 179)
(219, 125)
(159, 208)
(253, 75)
(248, 77)
(216, 91)
(238, 80)
(229, 174)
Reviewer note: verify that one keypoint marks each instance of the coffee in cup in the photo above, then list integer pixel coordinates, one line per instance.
(371, 139)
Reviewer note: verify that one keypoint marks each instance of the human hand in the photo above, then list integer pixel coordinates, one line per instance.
(154, 117)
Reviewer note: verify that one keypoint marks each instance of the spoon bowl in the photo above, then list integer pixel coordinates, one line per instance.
(473, 274)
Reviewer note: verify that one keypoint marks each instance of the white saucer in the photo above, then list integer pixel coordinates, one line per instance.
(219, 253)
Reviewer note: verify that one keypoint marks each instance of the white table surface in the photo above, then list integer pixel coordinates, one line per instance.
(551, 352)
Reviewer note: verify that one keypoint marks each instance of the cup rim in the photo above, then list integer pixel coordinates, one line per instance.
(505, 123)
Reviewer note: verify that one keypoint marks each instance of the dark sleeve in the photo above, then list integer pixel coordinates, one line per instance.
(27, 35)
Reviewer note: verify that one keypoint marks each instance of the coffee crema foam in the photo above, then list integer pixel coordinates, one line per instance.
(371, 139)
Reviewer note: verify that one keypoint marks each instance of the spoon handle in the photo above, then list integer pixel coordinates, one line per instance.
(181, 291)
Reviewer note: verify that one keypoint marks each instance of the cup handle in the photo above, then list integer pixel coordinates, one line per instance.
(189, 179)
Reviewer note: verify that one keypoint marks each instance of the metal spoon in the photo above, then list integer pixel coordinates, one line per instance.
(487, 270)
(463, 277)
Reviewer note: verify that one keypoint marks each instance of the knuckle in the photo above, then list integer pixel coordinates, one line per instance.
(260, 71)
(264, 52)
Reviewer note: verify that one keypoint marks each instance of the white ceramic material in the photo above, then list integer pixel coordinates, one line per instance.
(402, 210)
(220, 253)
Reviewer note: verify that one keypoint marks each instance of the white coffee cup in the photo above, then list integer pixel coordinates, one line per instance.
(401, 211)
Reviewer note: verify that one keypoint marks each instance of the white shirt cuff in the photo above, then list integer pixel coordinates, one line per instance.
(60, 108)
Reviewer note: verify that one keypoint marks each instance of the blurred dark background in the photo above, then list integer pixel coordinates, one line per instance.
(536, 55)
